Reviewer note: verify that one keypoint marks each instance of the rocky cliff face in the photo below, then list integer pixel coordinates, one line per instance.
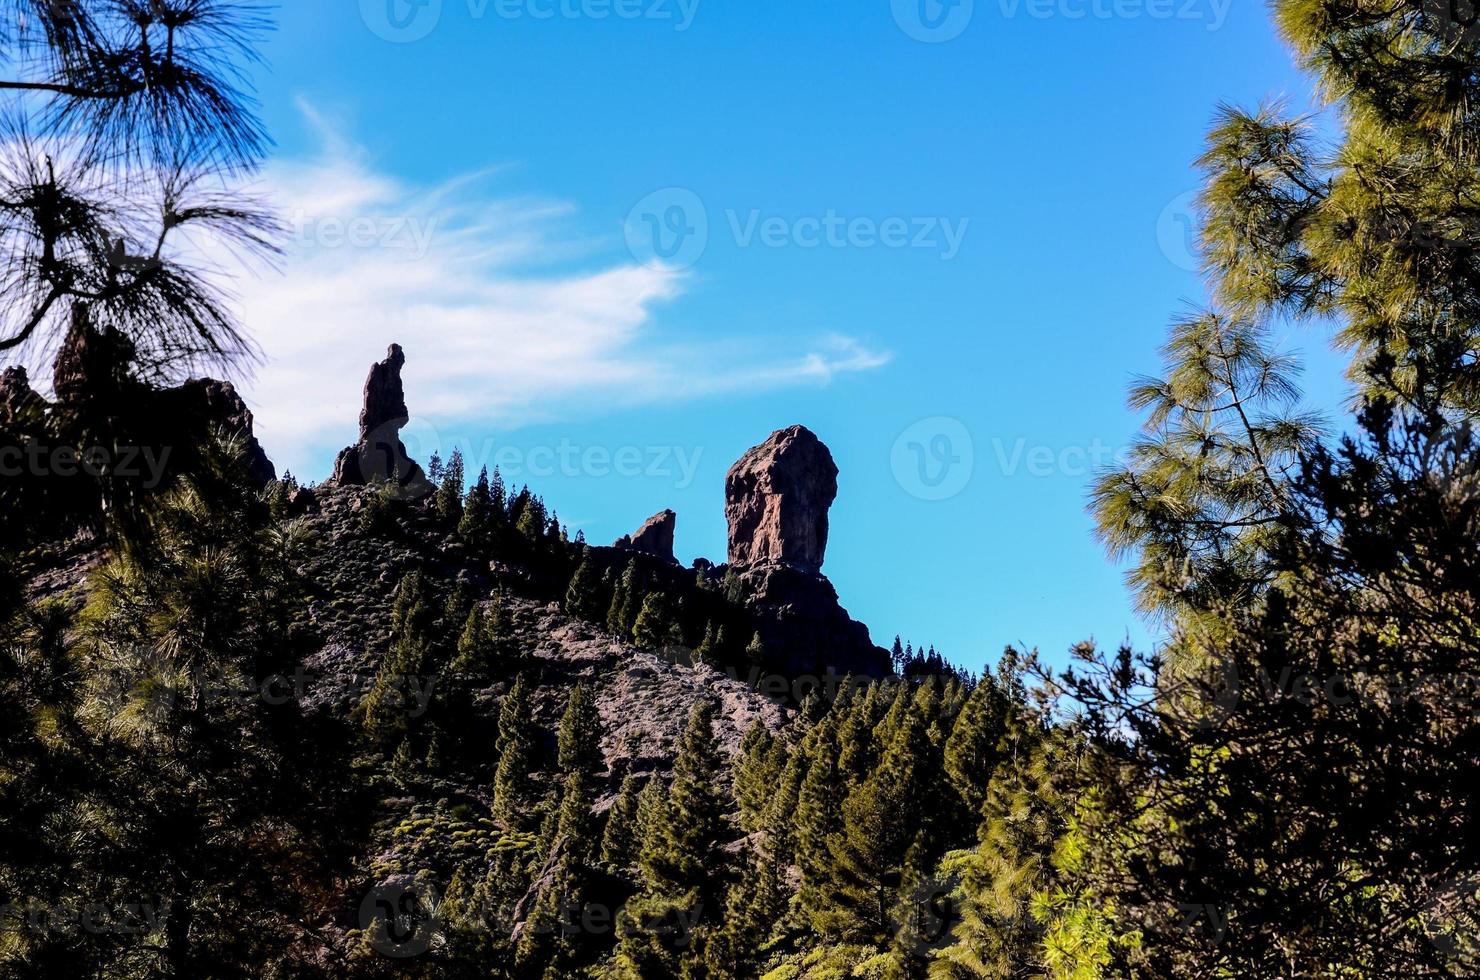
(655, 537)
(95, 392)
(776, 501)
(217, 403)
(644, 699)
(379, 455)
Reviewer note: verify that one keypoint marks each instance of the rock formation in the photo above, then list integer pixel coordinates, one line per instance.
(216, 403)
(804, 629)
(20, 406)
(97, 391)
(93, 367)
(777, 498)
(655, 537)
(379, 456)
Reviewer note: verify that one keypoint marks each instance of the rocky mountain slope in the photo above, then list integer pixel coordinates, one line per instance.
(769, 596)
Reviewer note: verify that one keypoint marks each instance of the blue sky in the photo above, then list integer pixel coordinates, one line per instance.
(942, 238)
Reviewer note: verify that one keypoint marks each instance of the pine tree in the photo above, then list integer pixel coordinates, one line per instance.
(385, 710)
(1205, 489)
(583, 598)
(448, 501)
(459, 603)
(657, 624)
(756, 773)
(498, 495)
(476, 525)
(1000, 932)
(501, 629)
(696, 807)
(683, 862)
(477, 652)
(513, 786)
(858, 745)
(549, 940)
(818, 818)
(708, 651)
(756, 903)
(971, 750)
(619, 842)
(881, 818)
(533, 522)
(622, 600)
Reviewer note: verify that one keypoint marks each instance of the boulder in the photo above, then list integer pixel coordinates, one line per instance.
(777, 498)
(98, 392)
(655, 537)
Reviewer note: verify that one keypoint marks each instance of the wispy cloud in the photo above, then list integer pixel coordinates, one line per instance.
(478, 288)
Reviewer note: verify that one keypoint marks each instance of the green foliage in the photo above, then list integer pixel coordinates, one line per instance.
(566, 889)
(971, 752)
(583, 599)
(619, 842)
(514, 791)
(448, 501)
(683, 865)
(881, 819)
(657, 625)
(1204, 490)
(143, 774)
(479, 511)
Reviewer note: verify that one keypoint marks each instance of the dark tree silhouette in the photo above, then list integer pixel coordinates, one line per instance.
(129, 124)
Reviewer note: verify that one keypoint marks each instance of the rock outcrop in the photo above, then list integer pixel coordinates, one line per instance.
(217, 404)
(97, 391)
(20, 406)
(804, 629)
(379, 456)
(92, 368)
(655, 537)
(777, 498)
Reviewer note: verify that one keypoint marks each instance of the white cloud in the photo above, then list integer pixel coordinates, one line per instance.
(476, 287)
